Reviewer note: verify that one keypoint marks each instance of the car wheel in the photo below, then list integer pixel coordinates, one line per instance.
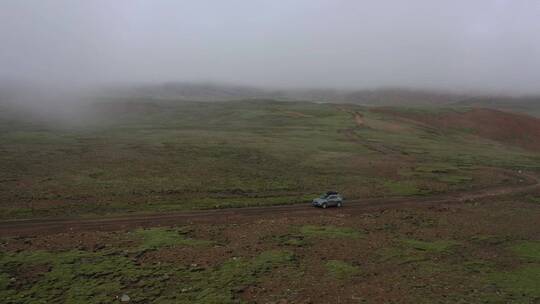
(324, 205)
(339, 204)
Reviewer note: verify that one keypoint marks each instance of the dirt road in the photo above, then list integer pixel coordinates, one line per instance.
(31, 227)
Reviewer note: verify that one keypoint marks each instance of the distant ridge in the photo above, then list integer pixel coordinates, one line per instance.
(19, 94)
(221, 92)
(380, 96)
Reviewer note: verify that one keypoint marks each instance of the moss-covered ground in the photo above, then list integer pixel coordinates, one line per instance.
(161, 156)
(482, 252)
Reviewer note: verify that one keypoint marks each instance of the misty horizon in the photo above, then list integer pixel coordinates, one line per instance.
(487, 47)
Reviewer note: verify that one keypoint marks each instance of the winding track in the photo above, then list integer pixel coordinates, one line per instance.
(31, 227)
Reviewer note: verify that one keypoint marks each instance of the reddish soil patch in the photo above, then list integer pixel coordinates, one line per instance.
(93, 240)
(512, 128)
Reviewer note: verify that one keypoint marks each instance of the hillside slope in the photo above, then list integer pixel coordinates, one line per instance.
(510, 128)
(158, 156)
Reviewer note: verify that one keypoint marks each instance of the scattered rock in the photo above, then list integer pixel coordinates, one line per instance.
(125, 298)
(195, 267)
(238, 289)
(357, 298)
(99, 247)
(141, 253)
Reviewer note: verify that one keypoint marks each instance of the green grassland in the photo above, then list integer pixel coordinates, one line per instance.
(329, 232)
(159, 156)
(341, 270)
(77, 276)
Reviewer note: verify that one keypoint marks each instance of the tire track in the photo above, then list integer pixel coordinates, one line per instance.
(33, 227)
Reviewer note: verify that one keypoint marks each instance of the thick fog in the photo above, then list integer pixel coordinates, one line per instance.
(460, 45)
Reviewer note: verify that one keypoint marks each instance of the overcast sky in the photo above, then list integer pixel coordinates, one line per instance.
(488, 45)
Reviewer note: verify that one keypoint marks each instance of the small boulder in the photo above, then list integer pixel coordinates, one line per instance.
(125, 298)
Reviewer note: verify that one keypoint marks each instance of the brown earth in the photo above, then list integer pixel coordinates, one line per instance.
(57, 225)
(511, 128)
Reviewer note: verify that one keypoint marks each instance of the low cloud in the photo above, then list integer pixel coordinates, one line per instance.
(488, 46)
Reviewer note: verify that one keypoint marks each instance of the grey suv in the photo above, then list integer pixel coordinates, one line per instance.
(329, 199)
